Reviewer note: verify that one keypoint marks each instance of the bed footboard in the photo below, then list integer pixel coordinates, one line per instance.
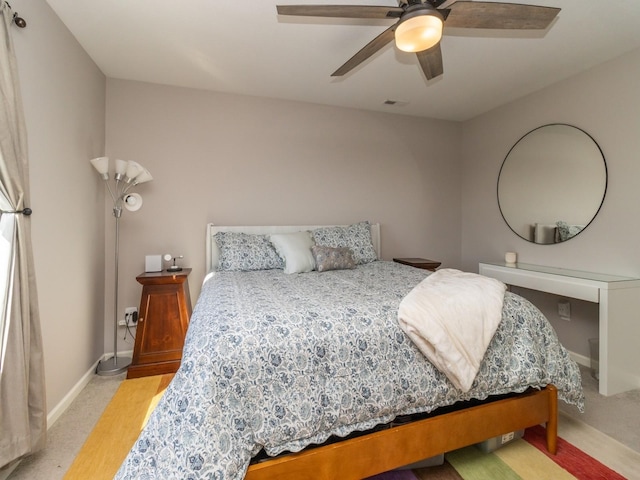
(385, 450)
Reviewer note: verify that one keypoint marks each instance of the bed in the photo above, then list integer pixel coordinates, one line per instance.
(310, 371)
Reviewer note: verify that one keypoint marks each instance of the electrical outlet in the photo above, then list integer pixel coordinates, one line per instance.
(564, 309)
(131, 316)
(507, 437)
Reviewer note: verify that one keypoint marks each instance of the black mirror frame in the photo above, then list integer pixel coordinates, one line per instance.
(604, 193)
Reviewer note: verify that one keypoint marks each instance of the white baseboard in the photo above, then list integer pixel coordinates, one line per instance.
(57, 411)
(580, 359)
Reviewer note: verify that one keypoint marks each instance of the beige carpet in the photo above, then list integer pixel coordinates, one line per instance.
(617, 416)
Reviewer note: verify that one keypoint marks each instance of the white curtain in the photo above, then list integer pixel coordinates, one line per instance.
(23, 419)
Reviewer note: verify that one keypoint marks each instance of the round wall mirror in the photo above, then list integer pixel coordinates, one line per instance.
(552, 184)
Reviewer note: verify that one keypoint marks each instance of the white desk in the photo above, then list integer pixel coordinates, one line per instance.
(619, 313)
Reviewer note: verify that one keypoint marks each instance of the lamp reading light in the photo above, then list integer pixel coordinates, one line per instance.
(419, 30)
(127, 175)
(101, 164)
(143, 177)
(133, 170)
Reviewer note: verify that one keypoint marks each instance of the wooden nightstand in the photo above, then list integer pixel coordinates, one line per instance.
(423, 263)
(165, 309)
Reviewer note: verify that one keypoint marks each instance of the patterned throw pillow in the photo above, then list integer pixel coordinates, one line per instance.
(567, 231)
(356, 237)
(333, 258)
(245, 252)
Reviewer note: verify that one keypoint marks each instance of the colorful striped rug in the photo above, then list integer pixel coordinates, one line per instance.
(526, 458)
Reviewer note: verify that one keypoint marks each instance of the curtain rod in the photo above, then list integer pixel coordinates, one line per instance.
(19, 21)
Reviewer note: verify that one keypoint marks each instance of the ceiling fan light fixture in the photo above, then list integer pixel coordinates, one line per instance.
(419, 30)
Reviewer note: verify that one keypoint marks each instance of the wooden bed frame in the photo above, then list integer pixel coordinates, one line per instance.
(384, 450)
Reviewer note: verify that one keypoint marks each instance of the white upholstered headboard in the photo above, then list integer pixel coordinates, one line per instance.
(211, 254)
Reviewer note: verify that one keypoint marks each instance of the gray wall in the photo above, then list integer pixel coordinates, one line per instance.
(605, 103)
(64, 101)
(239, 160)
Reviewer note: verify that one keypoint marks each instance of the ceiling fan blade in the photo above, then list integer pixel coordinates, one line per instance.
(431, 61)
(436, 3)
(496, 15)
(342, 11)
(369, 49)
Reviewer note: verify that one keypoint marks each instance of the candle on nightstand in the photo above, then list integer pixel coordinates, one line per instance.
(511, 258)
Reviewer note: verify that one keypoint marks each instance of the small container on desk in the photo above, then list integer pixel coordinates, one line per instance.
(165, 309)
(423, 263)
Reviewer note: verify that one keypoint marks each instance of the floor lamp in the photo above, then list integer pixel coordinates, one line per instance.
(127, 174)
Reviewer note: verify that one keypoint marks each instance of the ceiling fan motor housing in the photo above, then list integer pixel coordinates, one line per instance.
(418, 9)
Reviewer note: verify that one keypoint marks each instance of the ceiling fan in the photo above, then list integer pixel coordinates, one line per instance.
(420, 24)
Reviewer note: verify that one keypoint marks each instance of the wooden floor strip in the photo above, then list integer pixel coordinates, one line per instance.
(117, 430)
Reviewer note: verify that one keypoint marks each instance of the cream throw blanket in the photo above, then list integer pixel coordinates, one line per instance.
(451, 316)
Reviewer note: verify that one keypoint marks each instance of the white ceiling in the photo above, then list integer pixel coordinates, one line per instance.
(244, 47)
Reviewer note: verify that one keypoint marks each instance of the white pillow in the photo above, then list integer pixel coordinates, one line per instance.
(295, 250)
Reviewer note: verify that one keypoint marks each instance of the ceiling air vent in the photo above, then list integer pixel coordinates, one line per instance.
(399, 103)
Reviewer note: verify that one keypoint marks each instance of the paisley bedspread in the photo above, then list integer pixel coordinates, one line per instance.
(277, 362)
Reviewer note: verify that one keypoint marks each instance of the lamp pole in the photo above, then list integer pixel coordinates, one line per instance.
(115, 365)
(127, 175)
